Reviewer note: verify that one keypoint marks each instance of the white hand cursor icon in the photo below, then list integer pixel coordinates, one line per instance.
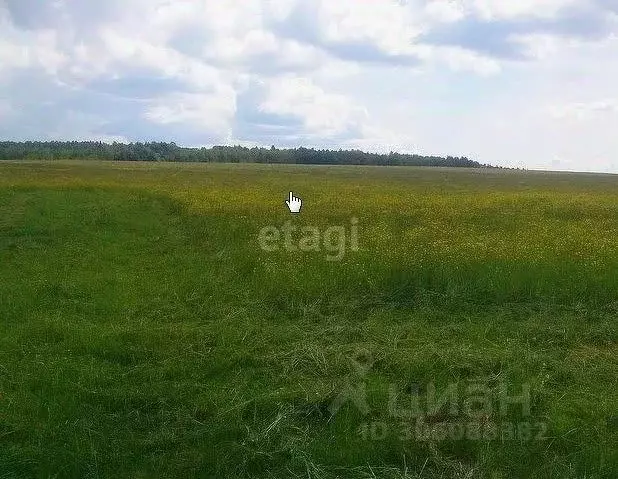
(294, 203)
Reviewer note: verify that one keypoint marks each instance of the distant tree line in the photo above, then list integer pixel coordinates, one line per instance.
(158, 151)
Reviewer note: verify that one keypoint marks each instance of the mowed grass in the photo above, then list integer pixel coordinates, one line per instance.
(144, 332)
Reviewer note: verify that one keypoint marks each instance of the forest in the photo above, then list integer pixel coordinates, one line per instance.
(160, 151)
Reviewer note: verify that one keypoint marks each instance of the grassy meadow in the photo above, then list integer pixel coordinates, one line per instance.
(144, 332)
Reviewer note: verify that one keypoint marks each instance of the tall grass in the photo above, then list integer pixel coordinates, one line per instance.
(144, 333)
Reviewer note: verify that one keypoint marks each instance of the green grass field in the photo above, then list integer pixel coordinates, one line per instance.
(145, 333)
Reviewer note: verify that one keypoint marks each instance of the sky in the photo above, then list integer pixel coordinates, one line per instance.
(516, 83)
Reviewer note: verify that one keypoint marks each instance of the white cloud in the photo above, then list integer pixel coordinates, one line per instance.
(584, 110)
(541, 46)
(212, 112)
(13, 56)
(5, 110)
(377, 139)
(322, 113)
(19, 50)
(389, 25)
(131, 52)
(47, 53)
(505, 9)
(459, 59)
(445, 10)
(280, 9)
(261, 48)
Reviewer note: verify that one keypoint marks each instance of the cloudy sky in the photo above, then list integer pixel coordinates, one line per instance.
(529, 83)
